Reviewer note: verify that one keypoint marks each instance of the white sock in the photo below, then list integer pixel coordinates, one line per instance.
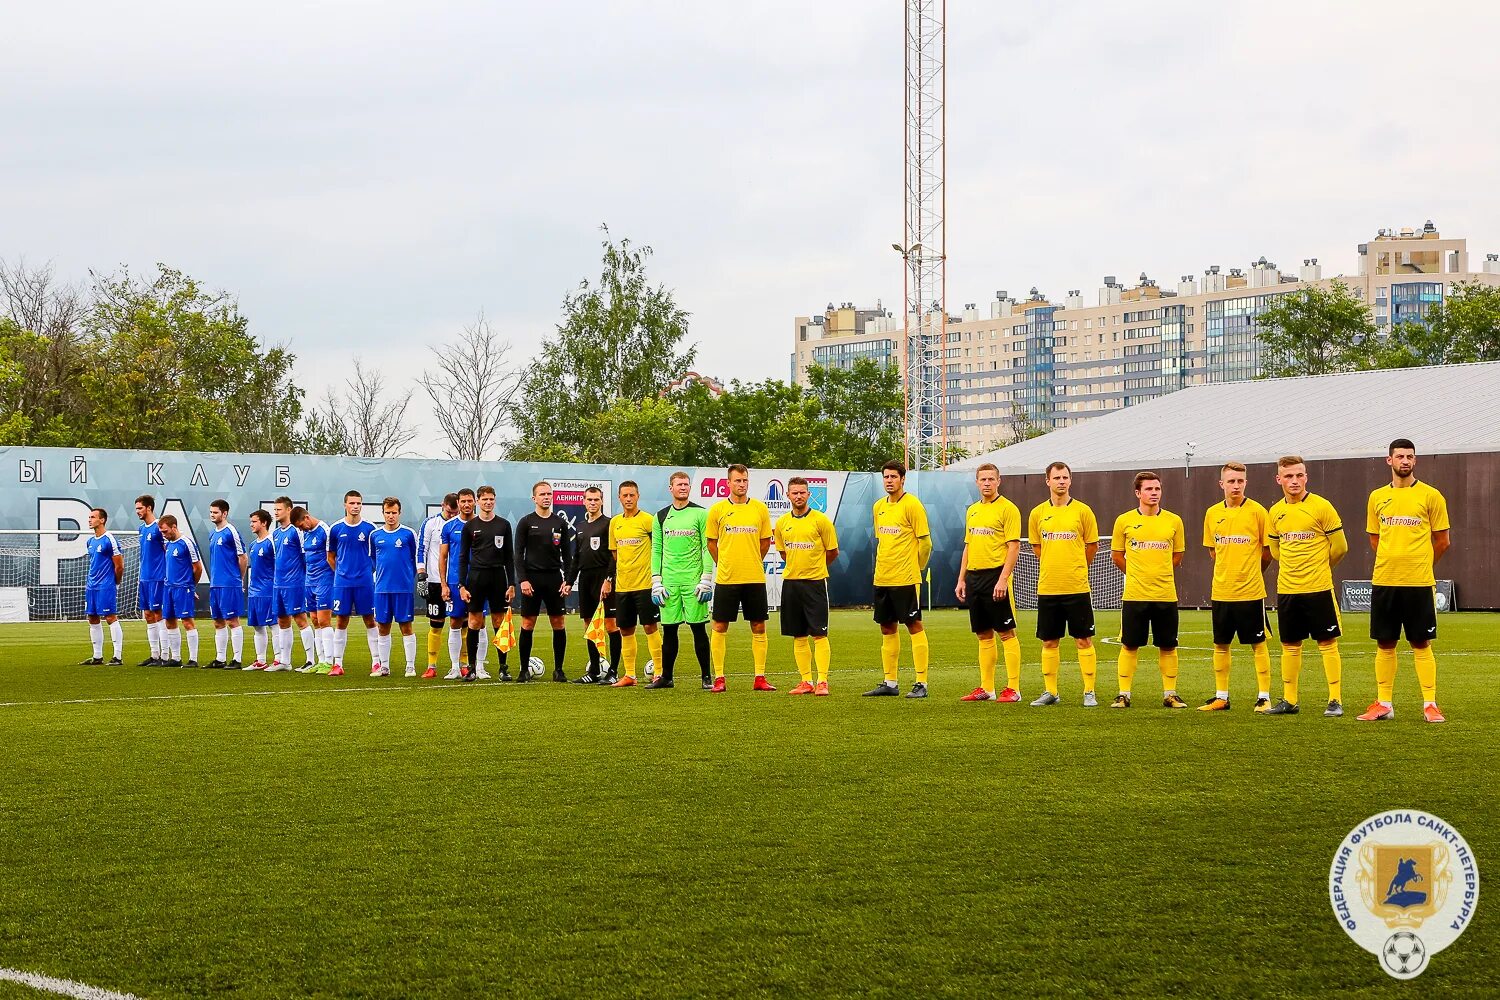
(325, 644)
(484, 650)
(117, 638)
(409, 645)
(174, 644)
(96, 637)
(383, 648)
(276, 631)
(221, 642)
(455, 645)
(372, 639)
(340, 645)
(237, 641)
(260, 643)
(308, 645)
(153, 639)
(192, 643)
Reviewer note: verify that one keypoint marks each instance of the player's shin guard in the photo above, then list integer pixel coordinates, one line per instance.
(527, 635)
(1051, 666)
(1385, 674)
(988, 656)
(802, 653)
(1262, 654)
(1168, 662)
(117, 639)
(718, 645)
(471, 640)
(325, 643)
(1125, 668)
(701, 648)
(409, 647)
(559, 647)
(1291, 672)
(1333, 669)
(310, 644)
(615, 641)
(666, 664)
(221, 643)
(340, 645)
(1426, 664)
(465, 657)
(1088, 666)
(1222, 660)
(593, 651)
(434, 646)
(96, 639)
(455, 647)
(173, 644)
(653, 646)
(890, 655)
(372, 639)
(1012, 647)
(759, 646)
(822, 656)
(920, 655)
(237, 642)
(627, 654)
(260, 643)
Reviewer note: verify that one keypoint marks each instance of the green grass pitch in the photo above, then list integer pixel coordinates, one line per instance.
(197, 833)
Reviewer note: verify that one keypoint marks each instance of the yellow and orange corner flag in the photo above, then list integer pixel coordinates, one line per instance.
(595, 632)
(504, 637)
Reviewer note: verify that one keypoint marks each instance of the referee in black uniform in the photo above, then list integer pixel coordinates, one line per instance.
(544, 565)
(592, 566)
(485, 569)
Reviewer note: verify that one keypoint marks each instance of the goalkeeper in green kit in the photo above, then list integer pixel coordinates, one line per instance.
(682, 574)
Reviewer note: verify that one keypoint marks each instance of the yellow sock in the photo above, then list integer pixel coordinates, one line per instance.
(434, 644)
(1168, 670)
(1051, 664)
(1012, 647)
(890, 655)
(1222, 659)
(1291, 672)
(627, 653)
(1125, 667)
(759, 644)
(1333, 669)
(919, 655)
(653, 643)
(987, 657)
(1385, 674)
(463, 648)
(822, 655)
(802, 653)
(718, 648)
(1426, 663)
(1088, 666)
(1262, 653)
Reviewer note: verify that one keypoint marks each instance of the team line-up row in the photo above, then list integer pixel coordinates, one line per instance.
(705, 567)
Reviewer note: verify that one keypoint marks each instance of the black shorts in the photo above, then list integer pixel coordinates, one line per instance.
(432, 595)
(898, 605)
(1393, 609)
(804, 607)
(1307, 616)
(487, 588)
(1158, 619)
(546, 588)
(633, 607)
(590, 582)
(985, 613)
(1059, 614)
(1243, 619)
(730, 598)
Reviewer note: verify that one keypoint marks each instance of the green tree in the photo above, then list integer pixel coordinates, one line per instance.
(619, 339)
(1315, 331)
(1467, 322)
(866, 406)
(644, 432)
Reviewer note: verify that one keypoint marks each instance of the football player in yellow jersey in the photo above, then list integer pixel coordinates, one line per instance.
(1065, 536)
(739, 536)
(630, 533)
(1147, 546)
(1234, 532)
(1307, 541)
(808, 543)
(903, 545)
(1408, 526)
(992, 541)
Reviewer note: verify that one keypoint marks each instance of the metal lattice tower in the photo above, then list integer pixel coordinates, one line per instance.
(924, 246)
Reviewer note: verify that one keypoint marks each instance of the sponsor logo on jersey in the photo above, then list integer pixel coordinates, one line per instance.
(1059, 536)
(741, 529)
(681, 533)
(980, 530)
(807, 546)
(1233, 540)
(1398, 521)
(1298, 536)
(889, 530)
(1149, 544)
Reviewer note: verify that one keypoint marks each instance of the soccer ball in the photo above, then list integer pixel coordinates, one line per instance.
(1404, 955)
(535, 667)
(650, 669)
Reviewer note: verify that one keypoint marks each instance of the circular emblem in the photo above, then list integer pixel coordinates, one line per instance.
(1404, 885)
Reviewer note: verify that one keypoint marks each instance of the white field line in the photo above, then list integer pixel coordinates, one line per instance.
(246, 694)
(62, 987)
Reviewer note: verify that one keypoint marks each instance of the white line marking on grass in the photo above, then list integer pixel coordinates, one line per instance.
(63, 987)
(236, 694)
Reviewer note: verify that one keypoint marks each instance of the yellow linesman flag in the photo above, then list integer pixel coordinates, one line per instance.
(595, 632)
(504, 637)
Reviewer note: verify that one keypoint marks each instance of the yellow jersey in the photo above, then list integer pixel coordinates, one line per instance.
(1301, 532)
(1062, 533)
(630, 542)
(1149, 542)
(1237, 536)
(805, 543)
(989, 528)
(899, 525)
(738, 529)
(1404, 521)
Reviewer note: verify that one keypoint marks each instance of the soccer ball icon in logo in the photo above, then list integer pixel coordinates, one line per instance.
(1404, 955)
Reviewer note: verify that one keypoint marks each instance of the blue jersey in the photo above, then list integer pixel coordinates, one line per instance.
(350, 545)
(289, 568)
(315, 552)
(395, 560)
(262, 555)
(102, 550)
(153, 551)
(181, 554)
(453, 537)
(224, 550)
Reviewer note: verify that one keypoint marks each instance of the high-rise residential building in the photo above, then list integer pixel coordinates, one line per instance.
(1035, 365)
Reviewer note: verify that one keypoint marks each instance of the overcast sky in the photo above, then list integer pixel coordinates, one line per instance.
(366, 176)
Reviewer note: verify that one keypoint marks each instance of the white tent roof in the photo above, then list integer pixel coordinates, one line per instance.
(1444, 409)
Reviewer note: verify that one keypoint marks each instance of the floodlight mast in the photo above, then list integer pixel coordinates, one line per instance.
(924, 246)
